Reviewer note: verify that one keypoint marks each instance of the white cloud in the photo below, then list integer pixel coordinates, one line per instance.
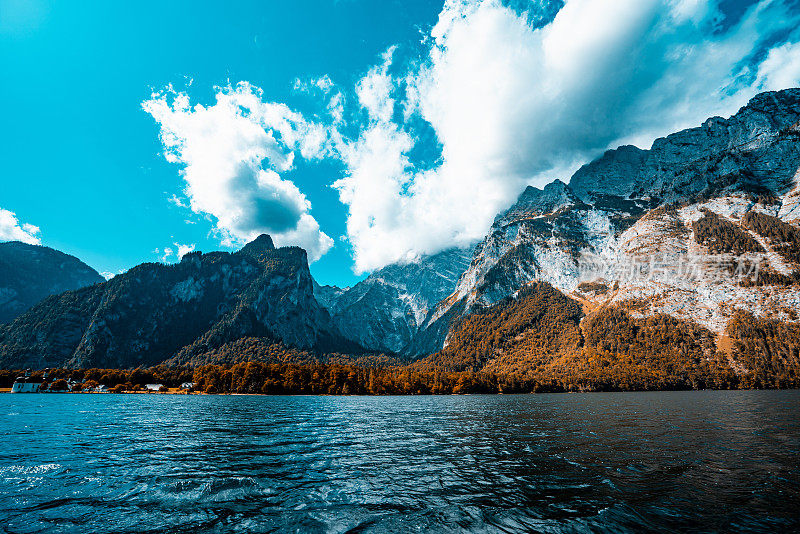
(232, 153)
(374, 90)
(781, 69)
(173, 253)
(12, 230)
(323, 84)
(166, 253)
(184, 249)
(512, 104)
(512, 98)
(175, 199)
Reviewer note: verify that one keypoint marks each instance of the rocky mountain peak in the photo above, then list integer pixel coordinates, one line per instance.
(610, 174)
(258, 246)
(755, 150)
(155, 312)
(782, 107)
(287, 261)
(534, 202)
(384, 311)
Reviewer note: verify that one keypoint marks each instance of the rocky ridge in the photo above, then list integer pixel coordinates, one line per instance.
(384, 311)
(622, 232)
(156, 312)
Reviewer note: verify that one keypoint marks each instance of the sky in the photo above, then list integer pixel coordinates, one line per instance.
(367, 132)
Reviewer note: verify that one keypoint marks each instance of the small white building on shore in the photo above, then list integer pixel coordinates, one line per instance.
(29, 384)
(24, 384)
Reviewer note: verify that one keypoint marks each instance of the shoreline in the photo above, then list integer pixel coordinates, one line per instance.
(199, 393)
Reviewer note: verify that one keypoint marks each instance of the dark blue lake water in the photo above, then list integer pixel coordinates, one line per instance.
(619, 461)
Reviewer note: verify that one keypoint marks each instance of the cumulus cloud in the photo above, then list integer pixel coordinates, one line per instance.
(12, 230)
(184, 249)
(163, 254)
(374, 91)
(169, 254)
(514, 102)
(504, 94)
(232, 154)
(781, 68)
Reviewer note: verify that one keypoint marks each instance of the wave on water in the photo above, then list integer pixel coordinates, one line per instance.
(542, 463)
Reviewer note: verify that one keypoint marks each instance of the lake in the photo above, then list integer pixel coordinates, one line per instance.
(664, 461)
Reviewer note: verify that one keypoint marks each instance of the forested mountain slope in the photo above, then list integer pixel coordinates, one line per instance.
(543, 337)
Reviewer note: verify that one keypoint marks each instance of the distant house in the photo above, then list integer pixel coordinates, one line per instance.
(28, 384)
(153, 387)
(101, 389)
(25, 384)
(187, 385)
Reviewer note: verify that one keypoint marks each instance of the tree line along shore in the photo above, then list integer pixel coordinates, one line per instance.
(255, 377)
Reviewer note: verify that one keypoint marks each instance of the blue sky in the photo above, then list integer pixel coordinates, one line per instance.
(81, 160)
(383, 129)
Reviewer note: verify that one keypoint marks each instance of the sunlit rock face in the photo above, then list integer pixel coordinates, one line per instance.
(626, 222)
(754, 150)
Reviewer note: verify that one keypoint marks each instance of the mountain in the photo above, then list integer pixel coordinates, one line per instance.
(672, 267)
(544, 337)
(701, 228)
(156, 312)
(753, 151)
(384, 311)
(29, 273)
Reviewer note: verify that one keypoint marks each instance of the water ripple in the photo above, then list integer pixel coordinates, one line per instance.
(664, 462)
